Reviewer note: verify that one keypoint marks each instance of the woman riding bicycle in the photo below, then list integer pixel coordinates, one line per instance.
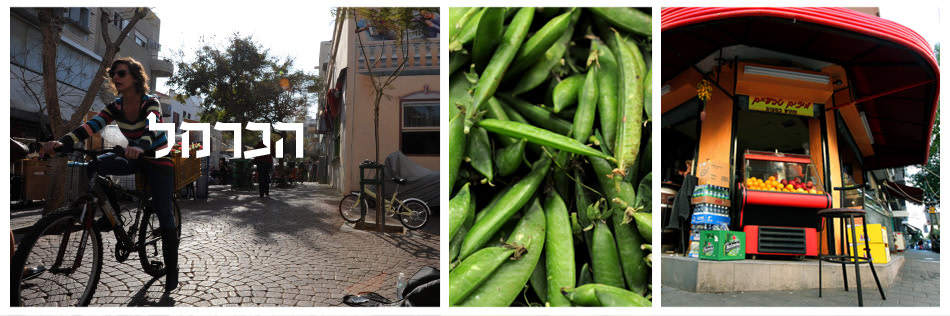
(130, 111)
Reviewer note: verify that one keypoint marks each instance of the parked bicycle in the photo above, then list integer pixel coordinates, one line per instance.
(413, 213)
(67, 243)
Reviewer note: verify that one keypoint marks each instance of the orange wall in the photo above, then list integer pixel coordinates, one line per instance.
(682, 88)
(714, 144)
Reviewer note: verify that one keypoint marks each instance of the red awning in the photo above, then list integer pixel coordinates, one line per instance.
(890, 67)
(911, 194)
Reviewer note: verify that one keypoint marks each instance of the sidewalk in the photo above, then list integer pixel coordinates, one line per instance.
(918, 284)
(290, 249)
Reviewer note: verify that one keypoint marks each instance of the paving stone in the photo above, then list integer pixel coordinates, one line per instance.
(291, 249)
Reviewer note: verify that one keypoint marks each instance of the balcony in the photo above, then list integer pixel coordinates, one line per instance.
(384, 56)
(161, 67)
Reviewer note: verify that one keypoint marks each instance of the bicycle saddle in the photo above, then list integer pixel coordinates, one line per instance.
(399, 180)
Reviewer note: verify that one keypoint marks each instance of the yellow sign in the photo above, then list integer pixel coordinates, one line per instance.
(933, 210)
(782, 106)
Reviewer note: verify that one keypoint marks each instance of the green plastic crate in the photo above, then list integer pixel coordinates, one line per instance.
(721, 245)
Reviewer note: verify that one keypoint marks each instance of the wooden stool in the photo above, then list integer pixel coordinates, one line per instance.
(845, 217)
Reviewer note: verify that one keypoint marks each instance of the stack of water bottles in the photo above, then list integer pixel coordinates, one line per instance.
(710, 212)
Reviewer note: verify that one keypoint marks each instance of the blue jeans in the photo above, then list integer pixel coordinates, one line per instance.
(160, 180)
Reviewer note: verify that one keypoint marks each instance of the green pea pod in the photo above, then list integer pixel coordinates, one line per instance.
(467, 33)
(567, 91)
(607, 91)
(586, 295)
(644, 225)
(508, 158)
(644, 195)
(458, 210)
(506, 283)
(456, 146)
(516, 197)
(458, 16)
(459, 96)
(490, 29)
(581, 201)
(539, 136)
(456, 243)
(539, 279)
(491, 204)
(614, 299)
(631, 105)
(605, 260)
(627, 19)
(537, 115)
(619, 193)
(474, 270)
(497, 111)
(480, 152)
(514, 116)
(585, 277)
(541, 71)
(648, 94)
(504, 54)
(586, 106)
(558, 249)
(635, 271)
(458, 60)
(537, 44)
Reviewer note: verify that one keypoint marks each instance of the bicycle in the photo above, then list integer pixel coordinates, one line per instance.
(415, 216)
(73, 265)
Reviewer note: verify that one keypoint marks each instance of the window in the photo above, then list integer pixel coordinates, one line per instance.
(140, 39)
(420, 128)
(78, 17)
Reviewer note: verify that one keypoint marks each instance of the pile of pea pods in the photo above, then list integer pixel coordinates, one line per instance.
(550, 157)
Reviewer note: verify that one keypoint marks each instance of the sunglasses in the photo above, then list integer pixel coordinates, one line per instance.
(121, 73)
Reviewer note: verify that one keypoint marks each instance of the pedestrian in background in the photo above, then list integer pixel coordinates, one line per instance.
(264, 165)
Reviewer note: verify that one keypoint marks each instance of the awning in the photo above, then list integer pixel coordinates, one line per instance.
(892, 69)
(911, 194)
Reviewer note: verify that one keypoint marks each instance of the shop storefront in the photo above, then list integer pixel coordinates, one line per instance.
(777, 107)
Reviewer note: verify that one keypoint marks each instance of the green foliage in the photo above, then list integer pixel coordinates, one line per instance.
(242, 83)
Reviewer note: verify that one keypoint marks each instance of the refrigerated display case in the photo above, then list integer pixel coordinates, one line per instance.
(780, 195)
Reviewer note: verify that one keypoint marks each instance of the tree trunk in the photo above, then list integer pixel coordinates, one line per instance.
(51, 26)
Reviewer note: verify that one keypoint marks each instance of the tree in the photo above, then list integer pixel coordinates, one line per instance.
(51, 23)
(399, 23)
(928, 178)
(243, 83)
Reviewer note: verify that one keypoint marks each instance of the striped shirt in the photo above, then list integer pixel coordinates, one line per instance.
(136, 131)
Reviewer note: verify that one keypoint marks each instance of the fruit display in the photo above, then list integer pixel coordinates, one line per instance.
(550, 157)
(771, 184)
(780, 172)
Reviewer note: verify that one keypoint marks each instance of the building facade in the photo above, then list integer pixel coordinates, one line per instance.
(79, 53)
(408, 112)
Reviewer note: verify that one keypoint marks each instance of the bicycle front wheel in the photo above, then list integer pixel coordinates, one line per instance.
(350, 208)
(58, 262)
(414, 214)
(150, 243)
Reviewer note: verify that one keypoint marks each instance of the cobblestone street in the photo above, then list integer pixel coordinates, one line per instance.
(291, 249)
